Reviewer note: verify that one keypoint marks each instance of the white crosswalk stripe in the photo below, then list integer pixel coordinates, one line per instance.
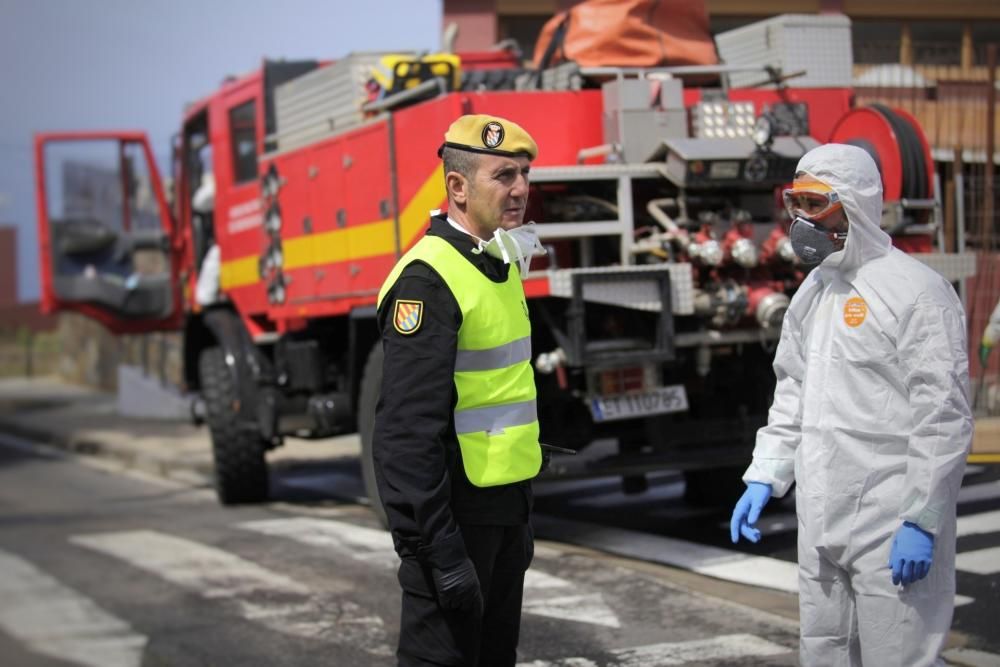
(980, 561)
(979, 492)
(979, 524)
(270, 598)
(542, 591)
(375, 546)
(588, 608)
(85, 634)
(725, 647)
(536, 580)
(753, 570)
(288, 606)
(968, 657)
(52, 619)
(731, 565)
(712, 561)
(367, 545)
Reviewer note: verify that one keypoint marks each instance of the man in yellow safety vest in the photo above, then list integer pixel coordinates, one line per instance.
(455, 442)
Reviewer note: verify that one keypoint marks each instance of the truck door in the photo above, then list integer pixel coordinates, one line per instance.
(106, 237)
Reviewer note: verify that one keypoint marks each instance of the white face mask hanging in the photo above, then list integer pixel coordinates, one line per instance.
(516, 245)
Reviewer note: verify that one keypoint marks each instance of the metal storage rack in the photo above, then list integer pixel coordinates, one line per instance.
(638, 294)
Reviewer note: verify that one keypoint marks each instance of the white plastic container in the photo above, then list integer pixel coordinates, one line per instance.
(820, 44)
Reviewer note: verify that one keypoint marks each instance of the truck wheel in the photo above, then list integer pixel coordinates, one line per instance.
(240, 464)
(716, 487)
(371, 384)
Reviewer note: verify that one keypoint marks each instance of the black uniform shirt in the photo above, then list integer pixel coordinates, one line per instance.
(418, 462)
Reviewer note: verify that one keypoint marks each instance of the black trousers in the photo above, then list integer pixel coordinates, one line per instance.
(432, 636)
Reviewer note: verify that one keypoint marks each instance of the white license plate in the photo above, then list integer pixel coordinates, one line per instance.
(724, 170)
(657, 402)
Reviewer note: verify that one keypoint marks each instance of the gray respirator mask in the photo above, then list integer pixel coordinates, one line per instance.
(811, 243)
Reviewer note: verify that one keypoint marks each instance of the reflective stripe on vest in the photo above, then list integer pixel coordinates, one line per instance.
(496, 419)
(496, 357)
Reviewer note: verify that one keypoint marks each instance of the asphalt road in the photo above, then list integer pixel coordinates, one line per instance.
(101, 567)
(661, 513)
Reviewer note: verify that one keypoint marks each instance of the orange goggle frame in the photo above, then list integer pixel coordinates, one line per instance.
(810, 203)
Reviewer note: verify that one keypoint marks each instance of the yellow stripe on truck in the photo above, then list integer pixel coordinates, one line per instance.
(239, 272)
(360, 242)
(416, 214)
(368, 240)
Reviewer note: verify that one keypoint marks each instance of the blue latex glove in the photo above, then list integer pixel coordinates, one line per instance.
(747, 511)
(911, 555)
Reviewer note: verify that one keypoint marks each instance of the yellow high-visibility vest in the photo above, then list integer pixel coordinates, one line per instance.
(496, 419)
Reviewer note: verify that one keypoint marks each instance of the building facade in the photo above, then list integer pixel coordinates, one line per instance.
(910, 32)
(15, 315)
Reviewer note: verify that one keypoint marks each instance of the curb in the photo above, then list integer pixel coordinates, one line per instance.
(168, 467)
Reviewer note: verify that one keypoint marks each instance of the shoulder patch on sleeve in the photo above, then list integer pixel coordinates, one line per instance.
(407, 316)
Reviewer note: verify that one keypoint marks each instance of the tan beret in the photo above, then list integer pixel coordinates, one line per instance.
(488, 134)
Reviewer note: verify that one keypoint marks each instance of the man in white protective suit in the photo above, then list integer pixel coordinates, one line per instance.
(871, 420)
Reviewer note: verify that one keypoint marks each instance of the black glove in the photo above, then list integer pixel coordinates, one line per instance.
(458, 587)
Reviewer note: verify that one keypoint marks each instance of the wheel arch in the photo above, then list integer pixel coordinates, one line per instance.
(196, 338)
(364, 335)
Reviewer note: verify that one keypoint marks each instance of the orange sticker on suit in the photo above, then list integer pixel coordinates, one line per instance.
(855, 311)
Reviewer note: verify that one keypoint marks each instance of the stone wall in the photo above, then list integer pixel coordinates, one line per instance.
(90, 355)
(28, 343)
(81, 351)
(28, 353)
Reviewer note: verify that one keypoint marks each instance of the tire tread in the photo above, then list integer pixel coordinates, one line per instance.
(240, 464)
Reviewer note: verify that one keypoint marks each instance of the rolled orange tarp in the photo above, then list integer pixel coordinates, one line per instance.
(628, 33)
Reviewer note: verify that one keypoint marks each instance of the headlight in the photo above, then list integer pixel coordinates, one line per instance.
(276, 293)
(771, 310)
(272, 222)
(762, 132)
(276, 259)
(745, 253)
(270, 183)
(785, 250)
(711, 253)
(708, 253)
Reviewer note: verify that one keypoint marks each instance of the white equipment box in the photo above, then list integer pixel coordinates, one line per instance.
(818, 44)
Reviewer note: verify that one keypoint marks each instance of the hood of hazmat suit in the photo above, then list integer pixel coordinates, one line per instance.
(871, 420)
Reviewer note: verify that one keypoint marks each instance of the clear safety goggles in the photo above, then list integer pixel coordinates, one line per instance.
(812, 204)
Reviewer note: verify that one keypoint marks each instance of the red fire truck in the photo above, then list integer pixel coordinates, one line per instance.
(654, 312)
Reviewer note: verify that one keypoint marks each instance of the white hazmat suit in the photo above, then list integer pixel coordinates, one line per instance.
(871, 420)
